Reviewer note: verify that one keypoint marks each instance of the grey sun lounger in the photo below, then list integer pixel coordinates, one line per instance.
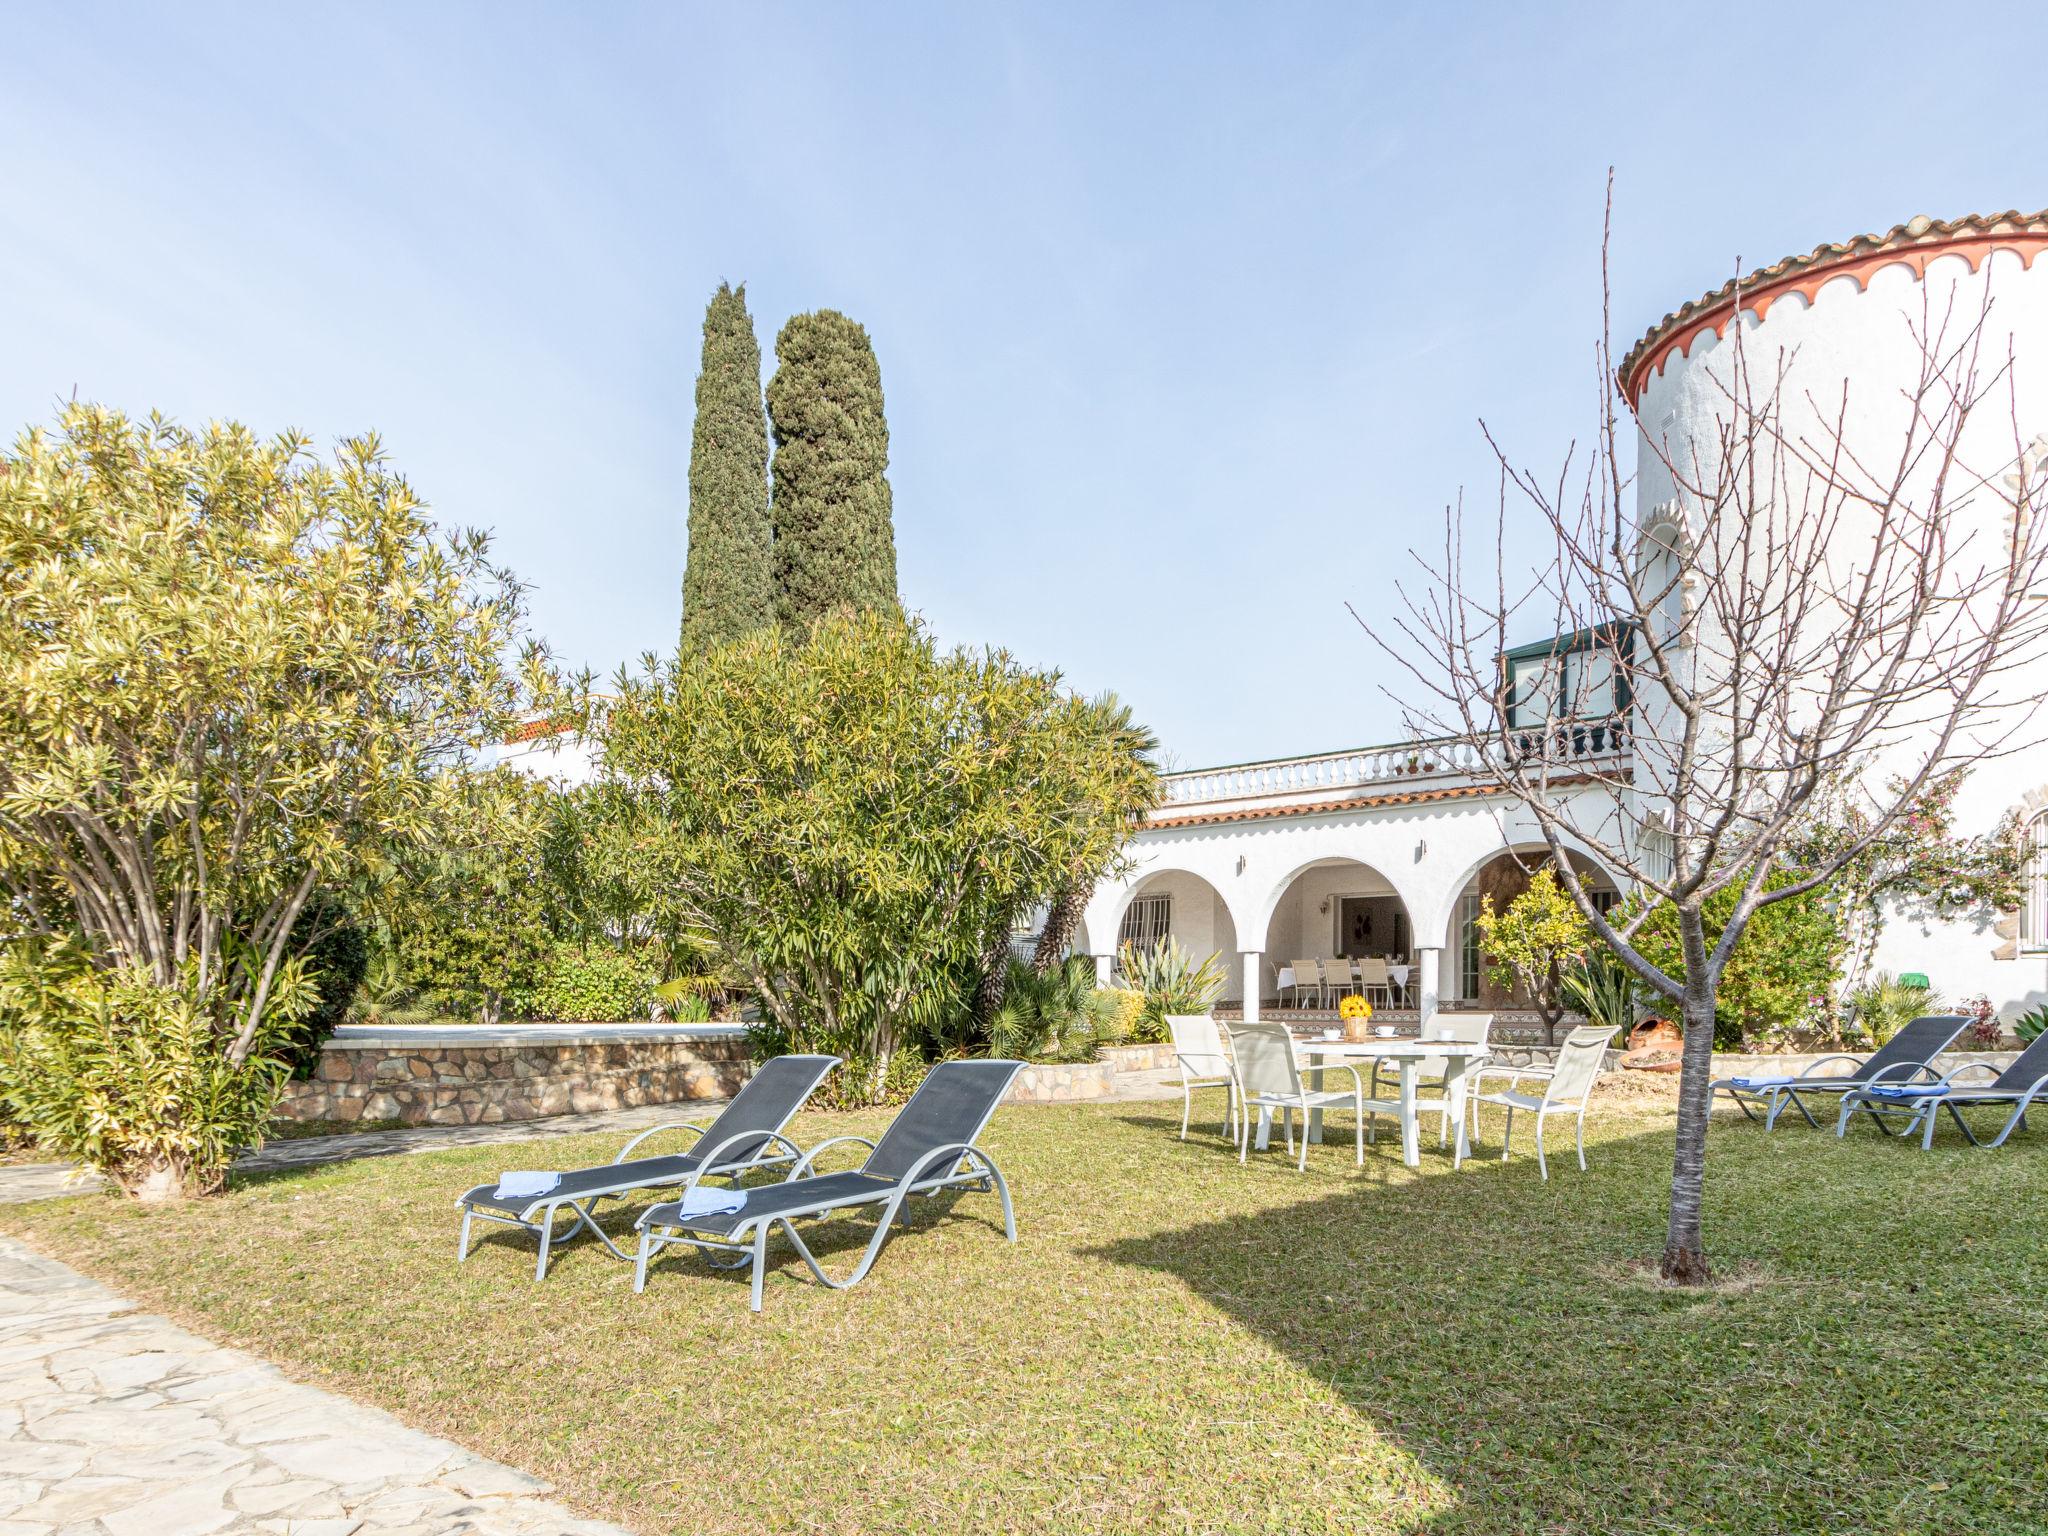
(2019, 1085)
(746, 1134)
(928, 1148)
(1905, 1058)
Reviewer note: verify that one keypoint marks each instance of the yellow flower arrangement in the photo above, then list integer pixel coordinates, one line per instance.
(1354, 1007)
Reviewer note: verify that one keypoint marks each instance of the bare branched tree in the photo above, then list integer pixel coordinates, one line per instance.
(1802, 626)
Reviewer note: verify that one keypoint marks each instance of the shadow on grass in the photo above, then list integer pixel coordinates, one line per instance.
(1499, 1329)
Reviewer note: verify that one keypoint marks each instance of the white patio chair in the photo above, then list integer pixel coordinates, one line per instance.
(1567, 1085)
(1340, 975)
(1466, 1029)
(1373, 979)
(1204, 1063)
(1308, 977)
(1269, 1075)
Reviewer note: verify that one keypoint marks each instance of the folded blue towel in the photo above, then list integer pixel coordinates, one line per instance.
(1907, 1090)
(1758, 1084)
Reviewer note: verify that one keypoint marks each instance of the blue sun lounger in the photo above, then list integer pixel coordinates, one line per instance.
(746, 1134)
(928, 1148)
(1905, 1058)
(2019, 1085)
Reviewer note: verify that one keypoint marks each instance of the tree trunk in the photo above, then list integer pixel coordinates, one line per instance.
(1685, 1257)
(995, 976)
(1060, 922)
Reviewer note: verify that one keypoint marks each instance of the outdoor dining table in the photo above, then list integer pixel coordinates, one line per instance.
(1407, 1055)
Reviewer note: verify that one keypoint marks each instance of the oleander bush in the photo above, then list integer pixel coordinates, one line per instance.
(111, 1069)
(265, 664)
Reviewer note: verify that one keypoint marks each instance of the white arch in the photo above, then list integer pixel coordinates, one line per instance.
(1131, 890)
(1278, 893)
(1533, 850)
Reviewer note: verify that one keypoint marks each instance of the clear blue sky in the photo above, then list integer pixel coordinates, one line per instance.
(1185, 314)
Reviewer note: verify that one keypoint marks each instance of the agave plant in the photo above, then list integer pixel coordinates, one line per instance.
(1602, 988)
(1172, 982)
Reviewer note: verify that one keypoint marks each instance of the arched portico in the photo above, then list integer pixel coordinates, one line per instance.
(1330, 908)
(1502, 877)
(1181, 905)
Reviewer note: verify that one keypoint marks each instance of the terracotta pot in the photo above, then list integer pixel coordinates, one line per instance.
(1656, 1034)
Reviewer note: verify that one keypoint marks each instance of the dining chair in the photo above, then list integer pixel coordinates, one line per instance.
(1205, 1062)
(1308, 976)
(1465, 1029)
(1269, 1074)
(1567, 1085)
(1373, 979)
(1341, 973)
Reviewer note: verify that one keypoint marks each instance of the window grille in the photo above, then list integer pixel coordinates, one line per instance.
(1147, 922)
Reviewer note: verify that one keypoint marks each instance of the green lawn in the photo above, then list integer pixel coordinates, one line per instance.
(1181, 1344)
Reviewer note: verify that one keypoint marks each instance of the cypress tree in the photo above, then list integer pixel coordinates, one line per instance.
(835, 534)
(728, 574)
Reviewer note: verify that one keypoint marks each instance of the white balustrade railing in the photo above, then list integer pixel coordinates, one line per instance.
(1398, 763)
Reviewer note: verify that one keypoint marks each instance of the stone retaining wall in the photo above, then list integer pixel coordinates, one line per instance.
(481, 1077)
(1060, 1082)
(1138, 1058)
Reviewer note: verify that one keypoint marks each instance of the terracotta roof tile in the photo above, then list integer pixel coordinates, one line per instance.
(1352, 803)
(533, 730)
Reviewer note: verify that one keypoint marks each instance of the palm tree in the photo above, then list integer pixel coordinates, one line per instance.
(1138, 784)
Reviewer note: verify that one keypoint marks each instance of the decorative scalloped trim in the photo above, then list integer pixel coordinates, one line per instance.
(1913, 245)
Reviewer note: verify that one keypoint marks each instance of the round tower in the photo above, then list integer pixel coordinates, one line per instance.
(1840, 342)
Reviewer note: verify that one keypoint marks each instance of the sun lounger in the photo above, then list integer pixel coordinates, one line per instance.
(1921, 1103)
(746, 1134)
(1905, 1058)
(929, 1147)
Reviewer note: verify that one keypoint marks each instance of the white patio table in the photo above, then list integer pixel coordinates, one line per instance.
(1408, 1056)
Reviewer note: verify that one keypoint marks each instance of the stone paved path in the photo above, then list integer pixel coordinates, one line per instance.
(117, 1423)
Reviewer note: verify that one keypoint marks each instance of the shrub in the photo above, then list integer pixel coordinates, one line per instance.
(474, 917)
(338, 958)
(1884, 1005)
(1057, 1016)
(129, 1078)
(1121, 1008)
(1172, 983)
(1790, 953)
(682, 1001)
(2028, 1026)
(592, 984)
(263, 666)
(847, 815)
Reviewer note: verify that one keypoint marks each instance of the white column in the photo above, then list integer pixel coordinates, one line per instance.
(1104, 965)
(1254, 982)
(1429, 957)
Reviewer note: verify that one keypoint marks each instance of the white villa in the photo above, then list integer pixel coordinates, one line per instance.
(1383, 852)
